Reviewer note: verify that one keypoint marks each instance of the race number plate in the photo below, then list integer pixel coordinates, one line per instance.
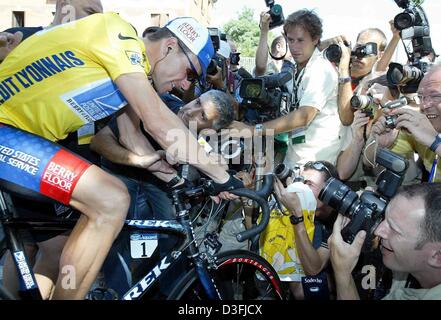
(142, 245)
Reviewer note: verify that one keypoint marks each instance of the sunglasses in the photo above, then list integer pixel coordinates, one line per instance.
(192, 74)
(319, 166)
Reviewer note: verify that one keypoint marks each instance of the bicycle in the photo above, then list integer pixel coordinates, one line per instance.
(237, 274)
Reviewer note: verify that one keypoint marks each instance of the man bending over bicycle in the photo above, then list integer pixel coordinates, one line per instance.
(62, 78)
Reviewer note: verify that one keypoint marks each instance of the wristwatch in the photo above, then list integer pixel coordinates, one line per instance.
(436, 143)
(295, 220)
(344, 80)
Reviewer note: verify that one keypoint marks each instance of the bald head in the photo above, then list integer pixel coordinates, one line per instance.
(70, 10)
(373, 35)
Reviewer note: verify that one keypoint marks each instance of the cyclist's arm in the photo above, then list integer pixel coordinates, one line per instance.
(106, 144)
(165, 127)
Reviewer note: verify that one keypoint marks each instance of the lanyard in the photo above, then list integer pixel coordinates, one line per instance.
(433, 170)
(297, 81)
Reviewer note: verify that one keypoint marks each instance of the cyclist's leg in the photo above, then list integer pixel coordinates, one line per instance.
(47, 264)
(104, 201)
(35, 164)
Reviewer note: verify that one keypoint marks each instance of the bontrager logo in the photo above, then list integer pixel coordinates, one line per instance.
(121, 37)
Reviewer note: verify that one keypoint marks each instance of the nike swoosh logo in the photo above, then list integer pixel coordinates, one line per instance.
(121, 37)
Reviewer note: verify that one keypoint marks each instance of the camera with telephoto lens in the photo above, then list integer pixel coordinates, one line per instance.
(268, 95)
(333, 52)
(367, 211)
(365, 103)
(414, 26)
(276, 13)
(407, 77)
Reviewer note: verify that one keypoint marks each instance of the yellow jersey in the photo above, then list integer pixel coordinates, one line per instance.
(62, 78)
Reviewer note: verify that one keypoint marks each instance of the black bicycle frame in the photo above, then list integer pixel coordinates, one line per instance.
(181, 226)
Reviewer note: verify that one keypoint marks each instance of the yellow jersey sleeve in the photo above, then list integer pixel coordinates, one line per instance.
(118, 48)
(62, 78)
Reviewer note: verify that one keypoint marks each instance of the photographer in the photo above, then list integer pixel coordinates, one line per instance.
(410, 238)
(279, 49)
(354, 71)
(315, 122)
(312, 253)
(421, 130)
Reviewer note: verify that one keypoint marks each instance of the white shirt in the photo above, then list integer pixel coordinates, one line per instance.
(317, 87)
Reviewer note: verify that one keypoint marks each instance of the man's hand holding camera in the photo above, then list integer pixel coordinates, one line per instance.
(416, 123)
(344, 258)
(360, 121)
(265, 20)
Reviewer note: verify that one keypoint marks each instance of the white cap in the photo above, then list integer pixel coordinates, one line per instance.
(195, 36)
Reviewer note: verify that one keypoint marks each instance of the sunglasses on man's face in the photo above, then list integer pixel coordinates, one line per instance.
(317, 165)
(192, 74)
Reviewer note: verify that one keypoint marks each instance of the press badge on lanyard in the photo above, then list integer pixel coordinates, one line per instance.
(298, 135)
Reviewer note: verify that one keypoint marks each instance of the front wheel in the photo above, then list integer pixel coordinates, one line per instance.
(238, 275)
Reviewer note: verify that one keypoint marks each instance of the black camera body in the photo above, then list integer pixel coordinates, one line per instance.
(333, 52)
(391, 120)
(414, 26)
(267, 94)
(367, 211)
(276, 13)
(365, 50)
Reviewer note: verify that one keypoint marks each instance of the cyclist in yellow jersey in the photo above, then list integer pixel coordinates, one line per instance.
(62, 78)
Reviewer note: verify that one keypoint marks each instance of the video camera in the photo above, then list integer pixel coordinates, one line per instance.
(276, 13)
(367, 211)
(333, 52)
(414, 26)
(267, 94)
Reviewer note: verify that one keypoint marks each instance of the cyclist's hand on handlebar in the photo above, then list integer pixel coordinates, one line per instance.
(224, 195)
(221, 189)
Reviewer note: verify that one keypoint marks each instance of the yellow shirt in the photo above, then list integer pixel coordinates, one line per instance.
(62, 78)
(406, 145)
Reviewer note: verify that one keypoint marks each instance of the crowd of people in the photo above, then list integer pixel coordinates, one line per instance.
(101, 120)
